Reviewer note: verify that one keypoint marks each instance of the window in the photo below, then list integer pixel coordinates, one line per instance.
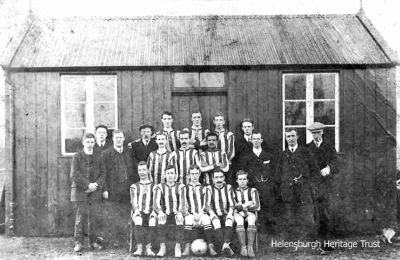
(309, 98)
(86, 101)
(199, 80)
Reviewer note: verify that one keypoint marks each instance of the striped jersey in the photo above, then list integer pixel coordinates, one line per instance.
(173, 143)
(142, 197)
(208, 159)
(226, 142)
(183, 160)
(157, 163)
(198, 136)
(243, 196)
(220, 200)
(195, 198)
(169, 199)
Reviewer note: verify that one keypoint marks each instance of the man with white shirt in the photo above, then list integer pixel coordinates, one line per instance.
(141, 148)
(296, 171)
(326, 156)
(259, 163)
(101, 134)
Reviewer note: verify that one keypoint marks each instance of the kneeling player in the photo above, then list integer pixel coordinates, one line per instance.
(220, 206)
(195, 215)
(247, 203)
(142, 212)
(169, 204)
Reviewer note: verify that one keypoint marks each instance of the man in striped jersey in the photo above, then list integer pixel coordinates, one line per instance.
(142, 212)
(212, 158)
(247, 204)
(167, 118)
(169, 204)
(158, 160)
(197, 133)
(220, 206)
(226, 140)
(184, 157)
(194, 212)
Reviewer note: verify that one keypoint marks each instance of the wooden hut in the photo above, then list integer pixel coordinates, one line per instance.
(66, 75)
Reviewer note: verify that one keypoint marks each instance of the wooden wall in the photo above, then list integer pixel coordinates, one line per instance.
(365, 195)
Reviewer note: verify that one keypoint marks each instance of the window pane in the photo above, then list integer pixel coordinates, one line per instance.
(295, 86)
(211, 80)
(104, 114)
(324, 86)
(302, 135)
(74, 88)
(104, 87)
(73, 139)
(186, 80)
(75, 115)
(295, 113)
(324, 112)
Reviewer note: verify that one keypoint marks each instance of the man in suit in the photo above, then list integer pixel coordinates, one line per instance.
(296, 171)
(141, 148)
(87, 181)
(101, 138)
(326, 156)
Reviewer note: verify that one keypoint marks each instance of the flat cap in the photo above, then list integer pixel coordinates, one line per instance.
(316, 126)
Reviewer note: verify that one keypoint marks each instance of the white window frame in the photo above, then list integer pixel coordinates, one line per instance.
(89, 106)
(310, 105)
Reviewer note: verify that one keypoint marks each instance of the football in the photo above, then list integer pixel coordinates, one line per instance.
(199, 247)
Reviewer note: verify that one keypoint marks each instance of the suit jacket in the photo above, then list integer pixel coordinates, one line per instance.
(296, 174)
(85, 171)
(118, 183)
(141, 152)
(325, 155)
(242, 150)
(101, 149)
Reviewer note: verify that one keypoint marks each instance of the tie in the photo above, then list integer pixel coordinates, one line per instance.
(292, 150)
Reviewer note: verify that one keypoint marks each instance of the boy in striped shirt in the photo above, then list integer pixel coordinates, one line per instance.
(159, 160)
(142, 212)
(194, 211)
(212, 158)
(169, 204)
(220, 206)
(197, 133)
(247, 204)
(226, 140)
(167, 118)
(184, 157)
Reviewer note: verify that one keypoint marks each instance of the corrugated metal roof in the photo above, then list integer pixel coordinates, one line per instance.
(198, 40)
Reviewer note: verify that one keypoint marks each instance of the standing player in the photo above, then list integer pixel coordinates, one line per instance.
(197, 133)
(212, 158)
(169, 204)
(226, 140)
(142, 213)
(247, 204)
(184, 157)
(167, 118)
(194, 211)
(220, 206)
(159, 160)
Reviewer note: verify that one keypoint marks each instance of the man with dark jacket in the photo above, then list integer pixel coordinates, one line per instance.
(141, 148)
(87, 182)
(326, 156)
(296, 170)
(101, 139)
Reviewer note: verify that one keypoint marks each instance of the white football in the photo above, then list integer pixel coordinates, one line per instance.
(199, 247)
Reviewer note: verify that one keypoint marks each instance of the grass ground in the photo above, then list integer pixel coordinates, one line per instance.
(61, 248)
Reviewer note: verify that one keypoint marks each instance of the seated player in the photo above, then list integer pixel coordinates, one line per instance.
(194, 211)
(142, 213)
(220, 206)
(247, 203)
(169, 203)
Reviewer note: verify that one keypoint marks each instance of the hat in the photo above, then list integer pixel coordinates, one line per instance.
(146, 126)
(315, 127)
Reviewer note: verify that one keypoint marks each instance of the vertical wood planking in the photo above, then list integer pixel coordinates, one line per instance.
(53, 148)
(275, 108)
(20, 191)
(175, 111)
(193, 105)
(264, 115)
(137, 102)
(148, 112)
(167, 90)
(251, 96)
(184, 120)
(126, 123)
(65, 215)
(223, 108)
(158, 96)
(205, 112)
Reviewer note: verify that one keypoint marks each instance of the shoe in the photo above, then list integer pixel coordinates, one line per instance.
(162, 250)
(211, 250)
(186, 252)
(227, 250)
(96, 246)
(78, 247)
(250, 251)
(139, 250)
(243, 251)
(178, 252)
(149, 252)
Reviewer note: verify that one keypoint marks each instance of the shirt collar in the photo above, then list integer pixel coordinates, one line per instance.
(168, 130)
(166, 151)
(294, 148)
(87, 152)
(220, 131)
(247, 138)
(240, 189)
(119, 150)
(318, 143)
(197, 128)
(257, 151)
(101, 143)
